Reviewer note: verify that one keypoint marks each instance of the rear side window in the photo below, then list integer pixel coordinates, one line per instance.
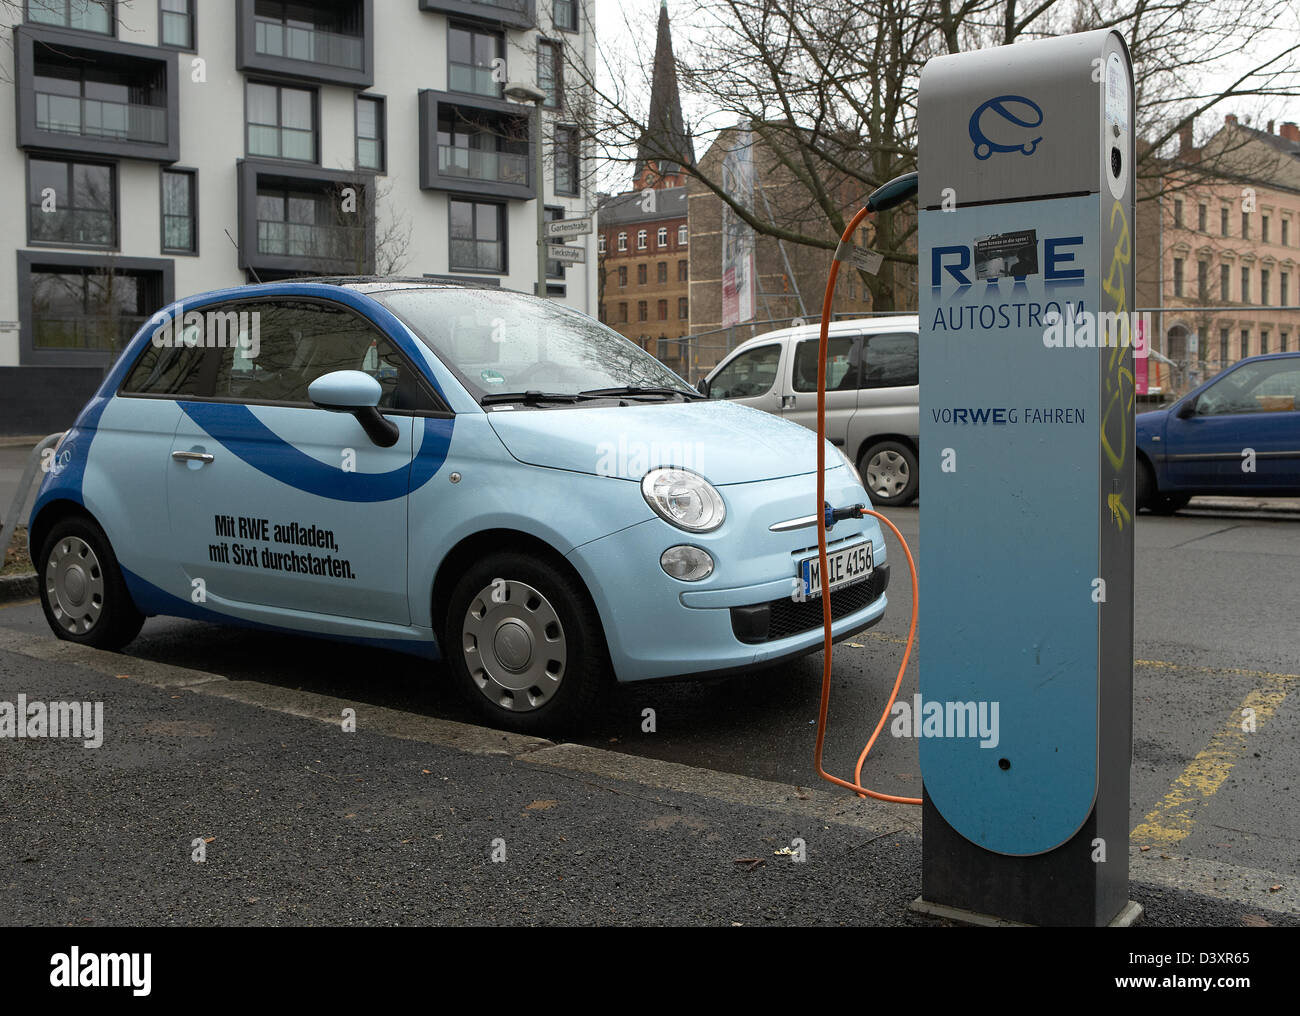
(170, 366)
(841, 364)
(890, 360)
(751, 373)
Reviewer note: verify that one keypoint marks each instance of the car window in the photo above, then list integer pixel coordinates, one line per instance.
(167, 368)
(841, 364)
(272, 352)
(751, 373)
(1267, 386)
(890, 360)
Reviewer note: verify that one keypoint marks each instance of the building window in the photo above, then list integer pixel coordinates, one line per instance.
(1225, 274)
(1245, 225)
(682, 308)
(622, 241)
(622, 277)
(176, 24)
(1282, 343)
(1202, 280)
(600, 243)
(683, 270)
(71, 204)
(1263, 341)
(662, 237)
(371, 131)
(1245, 343)
(88, 15)
(663, 271)
(1263, 286)
(468, 147)
(1284, 288)
(1286, 228)
(682, 236)
(75, 96)
(329, 34)
(568, 160)
(1245, 285)
(1223, 221)
(640, 275)
(1202, 218)
(622, 313)
(1178, 213)
(1263, 229)
(478, 236)
(663, 310)
(1178, 276)
(1223, 347)
(642, 310)
(180, 233)
(281, 122)
(640, 239)
(550, 72)
(565, 14)
(472, 56)
(305, 221)
(90, 309)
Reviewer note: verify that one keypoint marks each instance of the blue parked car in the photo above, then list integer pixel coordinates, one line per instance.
(1239, 433)
(474, 474)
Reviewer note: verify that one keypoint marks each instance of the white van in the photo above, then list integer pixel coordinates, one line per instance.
(872, 392)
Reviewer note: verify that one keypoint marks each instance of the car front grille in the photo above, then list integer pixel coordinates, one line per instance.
(779, 619)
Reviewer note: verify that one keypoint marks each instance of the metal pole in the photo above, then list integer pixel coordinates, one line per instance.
(541, 204)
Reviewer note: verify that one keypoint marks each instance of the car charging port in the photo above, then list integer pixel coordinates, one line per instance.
(834, 515)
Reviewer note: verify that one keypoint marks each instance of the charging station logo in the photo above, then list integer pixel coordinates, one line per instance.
(1012, 109)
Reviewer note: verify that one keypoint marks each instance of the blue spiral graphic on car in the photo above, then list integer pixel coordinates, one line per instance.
(1015, 110)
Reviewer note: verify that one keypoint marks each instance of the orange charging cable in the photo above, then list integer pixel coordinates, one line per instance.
(856, 785)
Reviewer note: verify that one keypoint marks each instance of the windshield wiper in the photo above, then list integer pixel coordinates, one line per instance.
(532, 396)
(624, 390)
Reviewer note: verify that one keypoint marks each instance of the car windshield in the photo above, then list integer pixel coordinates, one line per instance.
(502, 343)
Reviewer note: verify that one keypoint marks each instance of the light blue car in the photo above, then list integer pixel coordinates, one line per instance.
(464, 473)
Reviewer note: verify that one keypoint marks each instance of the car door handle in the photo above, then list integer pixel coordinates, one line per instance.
(192, 456)
(788, 401)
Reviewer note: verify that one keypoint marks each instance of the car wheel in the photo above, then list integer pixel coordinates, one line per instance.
(525, 643)
(889, 472)
(1149, 496)
(83, 594)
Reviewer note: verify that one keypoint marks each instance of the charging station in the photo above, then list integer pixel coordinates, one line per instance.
(1026, 198)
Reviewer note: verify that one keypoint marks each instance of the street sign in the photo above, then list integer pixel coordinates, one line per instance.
(572, 255)
(568, 227)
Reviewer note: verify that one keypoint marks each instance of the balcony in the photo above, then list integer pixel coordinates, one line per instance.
(91, 96)
(476, 146)
(338, 48)
(517, 14)
(291, 220)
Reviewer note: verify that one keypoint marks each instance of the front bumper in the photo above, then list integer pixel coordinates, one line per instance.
(743, 614)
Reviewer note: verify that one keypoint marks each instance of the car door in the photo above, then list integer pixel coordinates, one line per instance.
(889, 393)
(274, 502)
(842, 355)
(1243, 431)
(750, 377)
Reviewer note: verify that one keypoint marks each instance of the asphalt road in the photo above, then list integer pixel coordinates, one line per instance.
(1217, 631)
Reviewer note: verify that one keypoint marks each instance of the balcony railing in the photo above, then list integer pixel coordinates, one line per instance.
(313, 45)
(101, 118)
(518, 6)
(73, 226)
(310, 240)
(462, 77)
(85, 332)
(473, 164)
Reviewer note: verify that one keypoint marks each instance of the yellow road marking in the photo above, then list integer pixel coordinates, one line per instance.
(1172, 819)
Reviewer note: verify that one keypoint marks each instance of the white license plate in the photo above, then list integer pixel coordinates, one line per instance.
(847, 566)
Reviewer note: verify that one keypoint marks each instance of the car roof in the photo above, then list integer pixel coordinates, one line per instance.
(850, 326)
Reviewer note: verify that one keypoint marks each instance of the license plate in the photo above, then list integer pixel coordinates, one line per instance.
(845, 567)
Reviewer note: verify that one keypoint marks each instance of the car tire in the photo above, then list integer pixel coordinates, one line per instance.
(83, 594)
(525, 644)
(1149, 496)
(890, 473)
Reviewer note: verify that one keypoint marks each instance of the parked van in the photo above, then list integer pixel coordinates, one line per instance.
(872, 407)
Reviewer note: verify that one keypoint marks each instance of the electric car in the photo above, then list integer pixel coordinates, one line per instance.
(466, 473)
(873, 408)
(1237, 434)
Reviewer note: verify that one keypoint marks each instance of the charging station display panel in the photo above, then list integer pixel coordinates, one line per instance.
(1026, 441)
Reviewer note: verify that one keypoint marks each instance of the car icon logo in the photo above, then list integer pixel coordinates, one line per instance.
(1012, 109)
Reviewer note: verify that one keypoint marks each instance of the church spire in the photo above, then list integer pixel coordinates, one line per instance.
(665, 141)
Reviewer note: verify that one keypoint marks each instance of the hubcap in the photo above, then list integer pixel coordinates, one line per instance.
(887, 474)
(514, 646)
(74, 585)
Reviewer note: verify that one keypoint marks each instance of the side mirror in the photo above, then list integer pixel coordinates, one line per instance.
(702, 386)
(355, 392)
(1186, 410)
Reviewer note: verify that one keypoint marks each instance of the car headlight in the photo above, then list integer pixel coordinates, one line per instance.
(684, 499)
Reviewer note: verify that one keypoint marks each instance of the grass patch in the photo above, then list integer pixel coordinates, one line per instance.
(16, 561)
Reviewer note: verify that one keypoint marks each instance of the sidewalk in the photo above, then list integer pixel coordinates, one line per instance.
(412, 820)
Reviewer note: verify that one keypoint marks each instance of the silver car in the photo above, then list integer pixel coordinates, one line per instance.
(872, 407)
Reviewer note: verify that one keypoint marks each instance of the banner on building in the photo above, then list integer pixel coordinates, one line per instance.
(738, 265)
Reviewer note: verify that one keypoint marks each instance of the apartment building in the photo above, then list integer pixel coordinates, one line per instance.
(166, 147)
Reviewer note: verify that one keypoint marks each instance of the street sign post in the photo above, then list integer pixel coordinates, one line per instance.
(568, 255)
(568, 227)
(1027, 471)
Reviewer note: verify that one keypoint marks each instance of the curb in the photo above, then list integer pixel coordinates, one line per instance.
(1264, 890)
(18, 587)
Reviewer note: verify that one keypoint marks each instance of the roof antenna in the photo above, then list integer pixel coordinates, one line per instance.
(251, 269)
